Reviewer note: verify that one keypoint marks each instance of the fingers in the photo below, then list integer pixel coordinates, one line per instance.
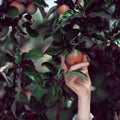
(69, 77)
(84, 69)
(63, 65)
(70, 81)
(79, 66)
(85, 58)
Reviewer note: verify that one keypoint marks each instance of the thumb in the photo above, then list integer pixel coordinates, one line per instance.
(63, 65)
(85, 68)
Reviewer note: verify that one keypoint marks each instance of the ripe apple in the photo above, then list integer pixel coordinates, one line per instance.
(31, 8)
(74, 57)
(62, 8)
(19, 6)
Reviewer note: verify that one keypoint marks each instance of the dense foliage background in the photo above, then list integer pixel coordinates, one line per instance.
(31, 81)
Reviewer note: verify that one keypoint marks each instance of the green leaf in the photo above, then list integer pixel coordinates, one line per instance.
(31, 75)
(22, 97)
(88, 42)
(102, 38)
(88, 3)
(37, 90)
(51, 100)
(40, 3)
(12, 12)
(56, 37)
(78, 73)
(50, 66)
(72, 34)
(17, 55)
(54, 50)
(34, 76)
(33, 54)
(7, 58)
(51, 11)
(101, 14)
(26, 80)
(117, 41)
(3, 59)
(2, 83)
(55, 89)
(62, 19)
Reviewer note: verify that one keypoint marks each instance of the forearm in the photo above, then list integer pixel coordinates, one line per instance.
(84, 108)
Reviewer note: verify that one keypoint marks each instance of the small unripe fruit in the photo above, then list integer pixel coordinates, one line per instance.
(19, 6)
(63, 8)
(74, 57)
(31, 8)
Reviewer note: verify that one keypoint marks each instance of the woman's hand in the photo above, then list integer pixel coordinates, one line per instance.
(82, 87)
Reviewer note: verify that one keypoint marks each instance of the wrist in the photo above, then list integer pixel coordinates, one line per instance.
(84, 101)
(84, 96)
(84, 108)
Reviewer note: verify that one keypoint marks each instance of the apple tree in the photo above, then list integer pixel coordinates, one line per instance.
(32, 40)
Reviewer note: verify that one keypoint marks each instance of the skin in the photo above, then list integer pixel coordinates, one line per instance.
(81, 87)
